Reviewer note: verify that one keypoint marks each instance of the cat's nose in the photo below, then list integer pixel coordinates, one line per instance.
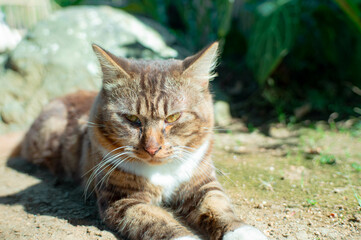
(152, 150)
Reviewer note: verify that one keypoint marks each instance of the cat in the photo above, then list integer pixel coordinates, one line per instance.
(143, 145)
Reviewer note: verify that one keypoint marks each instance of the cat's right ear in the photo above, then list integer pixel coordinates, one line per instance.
(113, 67)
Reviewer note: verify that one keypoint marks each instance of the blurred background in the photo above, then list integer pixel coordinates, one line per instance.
(287, 61)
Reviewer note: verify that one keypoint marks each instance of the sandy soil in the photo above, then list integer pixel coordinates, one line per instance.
(36, 205)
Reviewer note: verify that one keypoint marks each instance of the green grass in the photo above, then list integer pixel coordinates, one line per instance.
(326, 179)
(311, 202)
(358, 198)
(356, 166)
(327, 159)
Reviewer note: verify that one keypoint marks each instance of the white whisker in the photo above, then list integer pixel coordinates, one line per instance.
(103, 159)
(99, 168)
(105, 178)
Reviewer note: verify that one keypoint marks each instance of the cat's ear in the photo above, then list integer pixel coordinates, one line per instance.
(200, 67)
(113, 67)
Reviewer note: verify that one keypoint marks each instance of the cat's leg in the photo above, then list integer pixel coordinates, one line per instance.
(208, 209)
(135, 218)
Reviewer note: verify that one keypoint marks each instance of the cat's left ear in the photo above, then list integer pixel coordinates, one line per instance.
(200, 67)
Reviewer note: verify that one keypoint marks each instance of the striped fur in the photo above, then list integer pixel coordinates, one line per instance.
(153, 177)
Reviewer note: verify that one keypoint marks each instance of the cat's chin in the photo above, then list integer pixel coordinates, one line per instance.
(154, 161)
(157, 161)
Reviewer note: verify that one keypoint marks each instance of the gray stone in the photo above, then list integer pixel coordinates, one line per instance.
(56, 57)
(302, 235)
(329, 233)
(222, 113)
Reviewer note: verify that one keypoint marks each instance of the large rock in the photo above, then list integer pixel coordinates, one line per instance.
(222, 113)
(56, 57)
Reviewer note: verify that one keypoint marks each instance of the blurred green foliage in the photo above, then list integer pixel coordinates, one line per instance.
(356, 166)
(279, 54)
(272, 37)
(195, 23)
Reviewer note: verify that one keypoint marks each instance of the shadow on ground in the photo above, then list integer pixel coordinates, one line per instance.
(53, 197)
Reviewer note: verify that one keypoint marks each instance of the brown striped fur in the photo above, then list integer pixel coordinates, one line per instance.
(153, 179)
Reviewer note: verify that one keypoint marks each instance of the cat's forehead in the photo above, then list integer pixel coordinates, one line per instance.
(154, 89)
(156, 67)
(156, 77)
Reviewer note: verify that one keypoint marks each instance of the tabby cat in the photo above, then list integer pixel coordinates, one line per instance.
(143, 146)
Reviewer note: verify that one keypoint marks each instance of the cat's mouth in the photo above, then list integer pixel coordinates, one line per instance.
(162, 157)
(155, 160)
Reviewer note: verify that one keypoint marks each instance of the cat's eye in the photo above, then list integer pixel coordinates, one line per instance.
(133, 119)
(172, 118)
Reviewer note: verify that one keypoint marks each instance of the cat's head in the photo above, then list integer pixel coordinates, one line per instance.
(154, 111)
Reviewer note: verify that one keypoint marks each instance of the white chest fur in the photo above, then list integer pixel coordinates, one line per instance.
(171, 175)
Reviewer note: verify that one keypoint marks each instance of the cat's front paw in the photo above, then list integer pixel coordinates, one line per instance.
(245, 232)
(187, 238)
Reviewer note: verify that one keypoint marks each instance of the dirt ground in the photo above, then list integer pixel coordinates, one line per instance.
(291, 184)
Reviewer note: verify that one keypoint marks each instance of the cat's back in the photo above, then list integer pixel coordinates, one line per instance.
(56, 136)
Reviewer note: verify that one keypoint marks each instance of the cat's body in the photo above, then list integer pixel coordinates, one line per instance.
(143, 146)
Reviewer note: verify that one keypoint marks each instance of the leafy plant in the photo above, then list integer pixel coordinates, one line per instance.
(251, 127)
(327, 159)
(311, 202)
(65, 3)
(272, 37)
(351, 10)
(356, 166)
(321, 70)
(196, 23)
(25, 14)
